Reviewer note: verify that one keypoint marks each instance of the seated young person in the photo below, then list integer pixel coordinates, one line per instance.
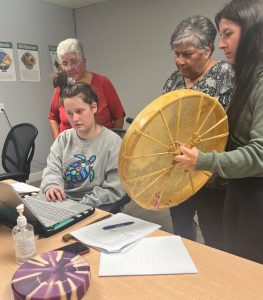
(83, 160)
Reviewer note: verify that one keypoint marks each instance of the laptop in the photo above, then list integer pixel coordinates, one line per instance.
(47, 217)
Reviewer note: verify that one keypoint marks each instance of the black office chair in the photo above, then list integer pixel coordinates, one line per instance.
(18, 151)
(129, 120)
(119, 205)
(121, 132)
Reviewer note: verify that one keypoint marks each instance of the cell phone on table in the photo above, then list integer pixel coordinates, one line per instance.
(76, 248)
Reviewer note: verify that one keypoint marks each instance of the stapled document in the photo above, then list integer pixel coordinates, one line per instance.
(117, 238)
(153, 255)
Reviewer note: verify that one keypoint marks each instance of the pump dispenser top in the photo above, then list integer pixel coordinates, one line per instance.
(23, 235)
(21, 220)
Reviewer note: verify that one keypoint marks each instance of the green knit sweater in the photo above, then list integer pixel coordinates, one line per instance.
(247, 160)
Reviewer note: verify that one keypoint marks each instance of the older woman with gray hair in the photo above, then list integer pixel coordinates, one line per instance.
(193, 45)
(110, 112)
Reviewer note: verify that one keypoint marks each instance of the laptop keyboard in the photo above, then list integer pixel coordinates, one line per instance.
(51, 213)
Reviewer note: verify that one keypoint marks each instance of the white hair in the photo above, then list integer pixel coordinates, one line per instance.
(70, 46)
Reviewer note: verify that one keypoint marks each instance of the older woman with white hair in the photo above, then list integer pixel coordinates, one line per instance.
(193, 45)
(110, 111)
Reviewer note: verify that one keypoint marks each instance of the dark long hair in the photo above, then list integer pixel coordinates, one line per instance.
(249, 64)
(245, 13)
(70, 88)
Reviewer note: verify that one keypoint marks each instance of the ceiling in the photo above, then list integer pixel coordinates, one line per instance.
(74, 3)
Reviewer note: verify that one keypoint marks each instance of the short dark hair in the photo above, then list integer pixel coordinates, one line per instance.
(70, 88)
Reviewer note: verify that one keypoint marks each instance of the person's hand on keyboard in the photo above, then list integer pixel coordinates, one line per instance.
(55, 192)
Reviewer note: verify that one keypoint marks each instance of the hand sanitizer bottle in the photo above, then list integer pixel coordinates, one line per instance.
(23, 235)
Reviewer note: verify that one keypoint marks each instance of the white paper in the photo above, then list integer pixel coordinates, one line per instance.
(114, 240)
(153, 255)
(24, 188)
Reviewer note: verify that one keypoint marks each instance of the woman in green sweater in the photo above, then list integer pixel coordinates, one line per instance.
(241, 38)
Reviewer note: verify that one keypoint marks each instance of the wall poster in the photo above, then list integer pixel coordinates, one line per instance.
(54, 58)
(28, 62)
(7, 64)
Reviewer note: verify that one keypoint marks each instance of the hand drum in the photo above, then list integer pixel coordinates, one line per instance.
(146, 167)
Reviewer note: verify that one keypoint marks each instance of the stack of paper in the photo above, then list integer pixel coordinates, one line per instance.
(153, 255)
(24, 188)
(115, 239)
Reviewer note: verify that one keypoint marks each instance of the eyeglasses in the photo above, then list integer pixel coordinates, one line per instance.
(71, 63)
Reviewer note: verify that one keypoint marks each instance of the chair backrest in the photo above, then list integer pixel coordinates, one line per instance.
(129, 120)
(119, 205)
(19, 147)
(121, 132)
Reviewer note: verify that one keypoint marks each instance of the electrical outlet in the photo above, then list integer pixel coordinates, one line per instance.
(2, 107)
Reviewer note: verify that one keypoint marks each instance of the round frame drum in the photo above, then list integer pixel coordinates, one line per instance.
(146, 167)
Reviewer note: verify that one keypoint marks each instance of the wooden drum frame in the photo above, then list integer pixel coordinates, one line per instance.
(146, 167)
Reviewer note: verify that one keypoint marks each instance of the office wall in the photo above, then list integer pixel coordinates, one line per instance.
(43, 24)
(129, 42)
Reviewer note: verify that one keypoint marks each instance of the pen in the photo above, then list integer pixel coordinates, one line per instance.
(66, 237)
(117, 225)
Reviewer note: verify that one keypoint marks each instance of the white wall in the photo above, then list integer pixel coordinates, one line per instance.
(128, 41)
(43, 24)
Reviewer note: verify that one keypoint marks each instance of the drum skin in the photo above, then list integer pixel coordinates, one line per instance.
(146, 167)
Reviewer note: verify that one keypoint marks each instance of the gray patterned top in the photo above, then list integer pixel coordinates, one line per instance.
(217, 82)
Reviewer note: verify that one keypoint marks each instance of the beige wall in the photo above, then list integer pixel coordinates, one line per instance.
(128, 40)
